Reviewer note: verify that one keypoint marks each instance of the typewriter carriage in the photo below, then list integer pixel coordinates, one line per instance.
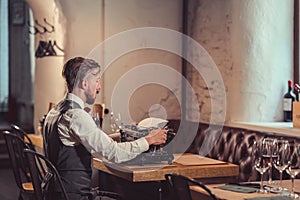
(156, 153)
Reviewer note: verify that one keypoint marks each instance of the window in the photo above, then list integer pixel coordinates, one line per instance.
(4, 68)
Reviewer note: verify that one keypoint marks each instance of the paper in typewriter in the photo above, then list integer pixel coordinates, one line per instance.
(194, 159)
(153, 122)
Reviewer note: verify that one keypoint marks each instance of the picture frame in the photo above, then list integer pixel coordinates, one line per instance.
(18, 13)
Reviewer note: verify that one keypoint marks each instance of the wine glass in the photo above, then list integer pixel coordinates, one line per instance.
(261, 162)
(281, 160)
(293, 169)
(96, 118)
(116, 123)
(270, 145)
(119, 121)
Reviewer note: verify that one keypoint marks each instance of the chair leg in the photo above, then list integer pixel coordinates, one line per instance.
(26, 196)
(20, 196)
(95, 178)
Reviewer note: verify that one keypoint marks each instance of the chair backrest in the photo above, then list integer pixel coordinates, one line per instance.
(51, 105)
(15, 146)
(179, 187)
(21, 133)
(40, 184)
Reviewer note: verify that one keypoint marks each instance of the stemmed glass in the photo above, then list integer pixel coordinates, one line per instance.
(270, 145)
(293, 169)
(96, 118)
(261, 162)
(116, 123)
(281, 160)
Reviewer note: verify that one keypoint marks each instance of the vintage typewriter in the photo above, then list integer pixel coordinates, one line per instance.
(156, 153)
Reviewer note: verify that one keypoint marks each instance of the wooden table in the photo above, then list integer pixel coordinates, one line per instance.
(197, 193)
(148, 182)
(37, 140)
(157, 172)
(140, 174)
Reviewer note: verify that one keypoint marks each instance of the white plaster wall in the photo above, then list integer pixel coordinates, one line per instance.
(48, 84)
(84, 25)
(209, 26)
(251, 43)
(262, 44)
(120, 17)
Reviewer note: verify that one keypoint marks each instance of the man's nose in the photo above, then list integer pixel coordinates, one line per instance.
(98, 87)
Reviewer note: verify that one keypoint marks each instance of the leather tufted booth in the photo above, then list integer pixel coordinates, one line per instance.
(233, 145)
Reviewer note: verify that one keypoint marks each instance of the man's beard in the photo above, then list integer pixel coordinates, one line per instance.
(90, 100)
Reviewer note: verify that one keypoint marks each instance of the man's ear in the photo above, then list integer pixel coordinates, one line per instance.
(83, 84)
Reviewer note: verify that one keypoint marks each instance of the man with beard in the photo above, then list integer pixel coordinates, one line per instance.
(71, 135)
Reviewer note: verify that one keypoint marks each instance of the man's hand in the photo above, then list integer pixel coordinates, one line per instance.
(157, 137)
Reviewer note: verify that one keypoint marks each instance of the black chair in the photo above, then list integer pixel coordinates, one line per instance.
(15, 146)
(20, 132)
(180, 187)
(41, 183)
(23, 135)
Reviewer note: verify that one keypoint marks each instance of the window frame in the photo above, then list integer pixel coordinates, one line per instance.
(4, 77)
(296, 41)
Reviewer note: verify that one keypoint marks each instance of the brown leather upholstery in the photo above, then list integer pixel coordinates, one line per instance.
(234, 145)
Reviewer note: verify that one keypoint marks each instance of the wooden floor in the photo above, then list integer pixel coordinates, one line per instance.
(8, 187)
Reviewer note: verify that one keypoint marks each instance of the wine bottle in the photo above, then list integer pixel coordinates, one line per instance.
(297, 91)
(288, 100)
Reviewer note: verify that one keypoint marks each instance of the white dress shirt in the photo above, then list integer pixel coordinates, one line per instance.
(77, 126)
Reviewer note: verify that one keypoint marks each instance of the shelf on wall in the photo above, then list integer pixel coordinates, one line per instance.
(279, 128)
